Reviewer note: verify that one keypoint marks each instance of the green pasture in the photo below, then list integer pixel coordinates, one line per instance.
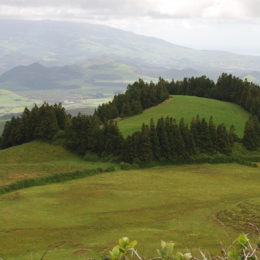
(37, 159)
(11, 103)
(197, 206)
(188, 107)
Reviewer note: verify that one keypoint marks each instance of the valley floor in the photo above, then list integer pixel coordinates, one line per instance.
(193, 205)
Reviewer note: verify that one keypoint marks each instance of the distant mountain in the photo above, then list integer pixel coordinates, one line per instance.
(89, 76)
(95, 77)
(61, 43)
(38, 77)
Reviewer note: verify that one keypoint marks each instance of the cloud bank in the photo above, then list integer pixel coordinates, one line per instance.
(122, 9)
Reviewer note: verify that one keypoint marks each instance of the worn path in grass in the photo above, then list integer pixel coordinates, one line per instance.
(193, 205)
(37, 158)
(188, 107)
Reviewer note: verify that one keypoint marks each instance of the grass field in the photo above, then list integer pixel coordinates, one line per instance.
(188, 107)
(13, 103)
(193, 205)
(37, 159)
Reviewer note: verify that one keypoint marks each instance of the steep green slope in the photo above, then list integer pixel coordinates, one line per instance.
(188, 107)
(195, 206)
(38, 159)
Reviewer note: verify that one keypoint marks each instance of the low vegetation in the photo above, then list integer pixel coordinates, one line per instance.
(189, 204)
(242, 249)
(39, 159)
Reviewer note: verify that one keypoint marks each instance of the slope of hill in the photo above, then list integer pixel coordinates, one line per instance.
(188, 107)
(195, 206)
(50, 42)
(38, 159)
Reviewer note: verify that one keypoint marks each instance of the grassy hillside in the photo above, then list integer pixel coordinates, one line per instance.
(195, 206)
(37, 159)
(188, 107)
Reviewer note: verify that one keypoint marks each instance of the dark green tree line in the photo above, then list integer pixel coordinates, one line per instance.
(38, 123)
(138, 96)
(171, 141)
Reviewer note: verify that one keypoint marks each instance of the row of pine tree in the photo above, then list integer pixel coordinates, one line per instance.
(170, 140)
(138, 96)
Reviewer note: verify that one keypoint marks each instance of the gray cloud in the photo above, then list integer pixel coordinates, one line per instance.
(252, 7)
(103, 5)
(115, 9)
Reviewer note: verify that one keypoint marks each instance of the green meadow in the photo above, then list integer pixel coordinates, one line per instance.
(13, 103)
(197, 206)
(38, 159)
(188, 107)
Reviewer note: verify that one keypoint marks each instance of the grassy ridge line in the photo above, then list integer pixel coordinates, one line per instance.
(63, 177)
(219, 159)
(53, 178)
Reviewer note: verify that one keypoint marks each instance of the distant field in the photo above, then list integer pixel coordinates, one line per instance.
(194, 205)
(37, 159)
(188, 107)
(13, 103)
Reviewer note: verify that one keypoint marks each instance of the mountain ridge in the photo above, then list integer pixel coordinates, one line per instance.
(62, 43)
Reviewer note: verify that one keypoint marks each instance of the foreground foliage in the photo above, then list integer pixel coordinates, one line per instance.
(241, 249)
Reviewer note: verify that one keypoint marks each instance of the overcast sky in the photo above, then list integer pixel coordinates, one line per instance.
(232, 25)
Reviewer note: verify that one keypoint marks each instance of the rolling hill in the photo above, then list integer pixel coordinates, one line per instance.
(195, 206)
(37, 159)
(188, 107)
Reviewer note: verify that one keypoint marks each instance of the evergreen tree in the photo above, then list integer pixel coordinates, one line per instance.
(213, 133)
(145, 146)
(250, 139)
(206, 145)
(162, 135)
(223, 144)
(187, 138)
(232, 135)
(179, 145)
(154, 141)
(48, 125)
